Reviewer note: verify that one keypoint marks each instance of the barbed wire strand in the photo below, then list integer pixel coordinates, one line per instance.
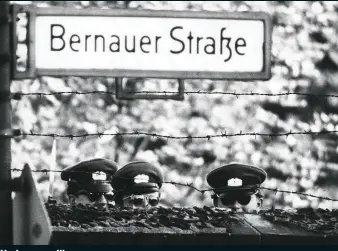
(233, 93)
(189, 137)
(202, 191)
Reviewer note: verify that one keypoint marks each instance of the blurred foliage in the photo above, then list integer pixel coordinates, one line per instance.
(304, 52)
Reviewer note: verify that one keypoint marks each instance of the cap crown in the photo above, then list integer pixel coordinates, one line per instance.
(249, 175)
(125, 177)
(84, 170)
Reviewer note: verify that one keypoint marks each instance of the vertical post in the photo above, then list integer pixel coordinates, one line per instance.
(119, 139)
(6, 221)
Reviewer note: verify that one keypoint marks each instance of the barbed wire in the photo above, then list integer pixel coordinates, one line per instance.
(190, 185)
(188, 137)
(233, 93)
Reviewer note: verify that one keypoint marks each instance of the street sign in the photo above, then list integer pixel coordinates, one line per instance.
(147, 43)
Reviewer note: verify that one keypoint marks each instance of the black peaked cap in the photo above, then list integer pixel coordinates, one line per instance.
(88, 167)
(249, 175)
(124, 178)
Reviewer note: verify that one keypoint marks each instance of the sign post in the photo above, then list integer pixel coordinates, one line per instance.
(6, 223)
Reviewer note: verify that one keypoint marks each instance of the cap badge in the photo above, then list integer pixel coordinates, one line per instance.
(141, 178)
(99, 176)
(235, 182)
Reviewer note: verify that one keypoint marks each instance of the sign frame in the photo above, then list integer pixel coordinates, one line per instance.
(34, 12)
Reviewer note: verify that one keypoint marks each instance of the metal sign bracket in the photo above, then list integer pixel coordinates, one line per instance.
(120, 94)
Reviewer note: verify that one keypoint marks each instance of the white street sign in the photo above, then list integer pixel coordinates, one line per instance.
(134, 43)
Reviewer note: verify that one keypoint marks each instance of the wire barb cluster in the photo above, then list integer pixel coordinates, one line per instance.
(202, 191)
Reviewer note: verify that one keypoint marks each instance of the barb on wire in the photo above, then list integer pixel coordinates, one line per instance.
(188, 137)
(202, 191)
(294, 192)
(233, 93)
(186, 184)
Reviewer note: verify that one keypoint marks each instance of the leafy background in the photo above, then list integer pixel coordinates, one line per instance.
(304, 60)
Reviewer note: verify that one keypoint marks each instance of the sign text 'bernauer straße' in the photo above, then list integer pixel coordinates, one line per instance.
(180, 39)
